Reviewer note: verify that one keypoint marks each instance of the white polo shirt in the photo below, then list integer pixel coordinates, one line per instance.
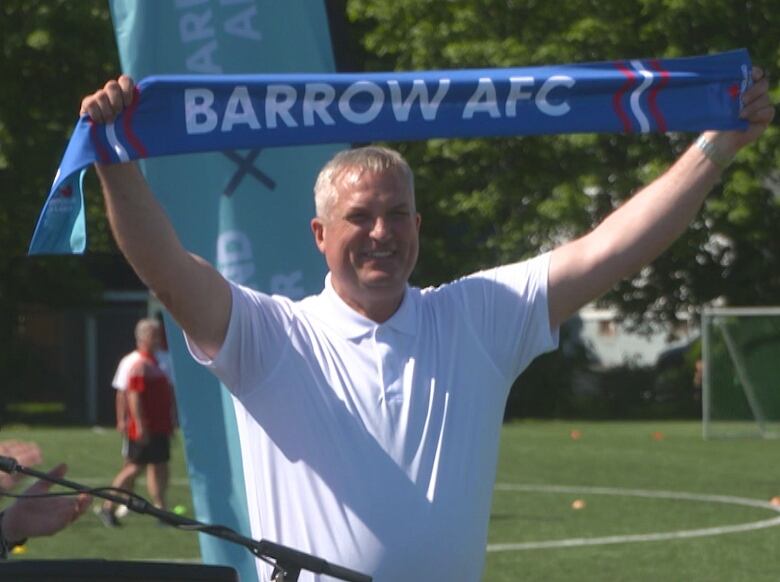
(374, 446)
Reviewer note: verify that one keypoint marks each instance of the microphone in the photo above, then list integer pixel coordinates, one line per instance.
(8, 465)
(286, 561)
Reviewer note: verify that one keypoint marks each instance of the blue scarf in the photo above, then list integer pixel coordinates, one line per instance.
(176, 114)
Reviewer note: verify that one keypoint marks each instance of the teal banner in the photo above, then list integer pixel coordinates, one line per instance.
(236, 208)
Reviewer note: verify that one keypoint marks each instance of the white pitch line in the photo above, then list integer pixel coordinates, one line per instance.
(650, 537)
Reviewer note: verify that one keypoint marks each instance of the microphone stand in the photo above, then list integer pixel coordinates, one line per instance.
(287, 562)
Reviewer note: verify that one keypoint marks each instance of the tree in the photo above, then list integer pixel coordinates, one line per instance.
(484, 201)
(496, 200)
(53, 52)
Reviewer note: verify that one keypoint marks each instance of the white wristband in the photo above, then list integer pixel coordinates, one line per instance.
(712, 153)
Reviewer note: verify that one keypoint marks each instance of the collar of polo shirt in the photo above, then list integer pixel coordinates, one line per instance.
(352, 325)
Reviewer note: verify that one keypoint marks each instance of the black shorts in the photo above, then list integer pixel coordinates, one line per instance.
(157, 450)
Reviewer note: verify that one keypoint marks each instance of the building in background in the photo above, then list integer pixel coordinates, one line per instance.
(63, 356)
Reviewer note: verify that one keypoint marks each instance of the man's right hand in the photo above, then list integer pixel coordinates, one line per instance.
(105, 104)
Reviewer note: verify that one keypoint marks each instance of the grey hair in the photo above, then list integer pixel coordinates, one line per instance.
(374, 159)
(145, 327)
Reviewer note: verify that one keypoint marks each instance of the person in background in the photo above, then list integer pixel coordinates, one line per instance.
(120, 383)
(146, 416)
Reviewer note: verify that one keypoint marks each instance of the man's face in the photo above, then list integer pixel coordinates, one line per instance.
(150, 340)
(370, 240)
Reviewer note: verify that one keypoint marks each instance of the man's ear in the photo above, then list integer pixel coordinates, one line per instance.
(318, 230)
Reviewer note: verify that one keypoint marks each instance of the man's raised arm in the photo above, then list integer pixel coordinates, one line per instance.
(642, 228)
(195, 293)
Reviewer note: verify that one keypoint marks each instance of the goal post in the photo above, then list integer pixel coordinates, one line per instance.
(741, 372)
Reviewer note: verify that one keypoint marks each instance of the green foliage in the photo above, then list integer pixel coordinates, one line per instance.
(53, 53)
(484, 202)
(489, 201)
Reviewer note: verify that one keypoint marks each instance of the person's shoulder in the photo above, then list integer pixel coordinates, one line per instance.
(249, 297)
(142, 365)
(125, 366)
(301, 307)
(522, 269)
(440, 291)
(435, 297)
(137, 368)
(127, 360)
(488, 280)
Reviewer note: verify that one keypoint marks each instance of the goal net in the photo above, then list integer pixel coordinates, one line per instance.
(741, 372)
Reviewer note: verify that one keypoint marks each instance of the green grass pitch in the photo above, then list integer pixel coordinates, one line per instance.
(702, 506)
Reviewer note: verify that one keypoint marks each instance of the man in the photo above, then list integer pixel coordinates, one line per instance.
(370, 414)
(147, 419)
(120, 383)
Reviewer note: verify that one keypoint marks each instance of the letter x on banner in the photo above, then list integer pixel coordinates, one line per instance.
(246, 165)
(178, 114)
